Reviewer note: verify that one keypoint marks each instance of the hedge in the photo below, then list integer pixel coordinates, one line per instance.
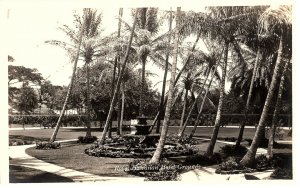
(45, 120)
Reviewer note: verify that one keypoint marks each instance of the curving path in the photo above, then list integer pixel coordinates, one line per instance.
(199, 174)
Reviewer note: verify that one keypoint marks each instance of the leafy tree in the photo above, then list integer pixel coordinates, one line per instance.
(23, 74)
(27, 101)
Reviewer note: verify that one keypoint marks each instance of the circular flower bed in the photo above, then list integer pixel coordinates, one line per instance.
(132, 147)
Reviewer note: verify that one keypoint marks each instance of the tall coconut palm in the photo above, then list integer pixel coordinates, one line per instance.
(116, 62)
(114, 98)
(53, 137)
(157, 154)
(212, 142)
(161, 104)
(186, 63)
(274, 21)
(92, 47)
(209, 67)
(276, 111)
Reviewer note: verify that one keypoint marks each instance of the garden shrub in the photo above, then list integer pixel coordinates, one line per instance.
(231, 151)
(232, 166)
(263, 163)
(282, 173)
(47, 145)
(184, 140)
(230, 139)
(203, 159)
(163, 171)
(86, 139)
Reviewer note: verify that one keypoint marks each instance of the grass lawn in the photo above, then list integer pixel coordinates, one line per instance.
(69, 133)
(71, 155)
(19, 174)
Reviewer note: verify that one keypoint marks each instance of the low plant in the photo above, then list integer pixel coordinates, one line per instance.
(262, 162)
(203, 159)
(232, 151)
(163, 171)
(86, 139)
(47, 145)
(232, 166)
(282, 173)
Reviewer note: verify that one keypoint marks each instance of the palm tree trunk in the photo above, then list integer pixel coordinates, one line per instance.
(118, 83)
(241, 132)
(142, 87)
(112, 91)
(161, 104)
(201, 107)
(119, 115)
(116, 61)
(276, 111)
(182, 129)
(184, 109)
(53, 137)
(157, 154)
(211, 146)
(122, 108)
(88, 102)
(249, 158)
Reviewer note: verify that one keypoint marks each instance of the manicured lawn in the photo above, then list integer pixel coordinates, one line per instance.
(68, 133)
(19, 174)
(72, 155)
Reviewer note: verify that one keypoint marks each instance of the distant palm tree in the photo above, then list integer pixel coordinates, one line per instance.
(274, 21)
(157, 154)
(53, 137)
(92, 48)
(114, 98)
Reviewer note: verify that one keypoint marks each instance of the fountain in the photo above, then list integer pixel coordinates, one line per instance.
(142, 133)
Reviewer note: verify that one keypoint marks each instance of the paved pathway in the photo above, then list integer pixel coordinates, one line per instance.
(199, 174)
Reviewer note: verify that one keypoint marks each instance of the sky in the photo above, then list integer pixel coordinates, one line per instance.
(28, 30)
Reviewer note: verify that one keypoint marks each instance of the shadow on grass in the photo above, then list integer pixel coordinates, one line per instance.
(18, 174)
(282, 146)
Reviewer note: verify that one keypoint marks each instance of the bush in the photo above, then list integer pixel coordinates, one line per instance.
(203, 159)
(231, 151)
(163, 171)
(232, 166)
(230, 139)
(47, 145)
(86, 139)
(263, 163)
(282, 173)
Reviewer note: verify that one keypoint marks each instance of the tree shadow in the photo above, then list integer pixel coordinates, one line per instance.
(19, 174)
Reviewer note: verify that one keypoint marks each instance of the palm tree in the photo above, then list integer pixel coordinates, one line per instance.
(147, 44)
(157, 154)
(276, 111)
(211, 60)
(274, 21)
(212, 142)
(114, 98)
(91, 48)
(53, 137)
(161, 104)
(186, 63)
